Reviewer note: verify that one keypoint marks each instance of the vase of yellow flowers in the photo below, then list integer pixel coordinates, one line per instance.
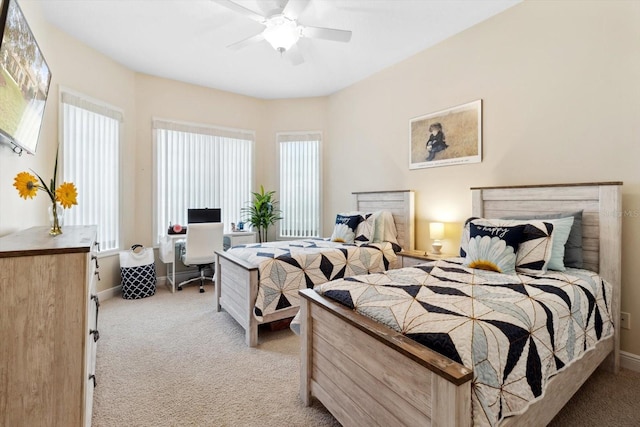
(64, 196)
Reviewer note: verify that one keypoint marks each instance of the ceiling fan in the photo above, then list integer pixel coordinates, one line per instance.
(282, 30)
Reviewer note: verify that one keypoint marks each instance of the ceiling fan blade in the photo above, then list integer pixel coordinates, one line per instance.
(294, 8)
(241, 9)
(327, 34)
(295, 55)
(246, 42)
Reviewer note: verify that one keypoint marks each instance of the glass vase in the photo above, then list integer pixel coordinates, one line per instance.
(55, 219)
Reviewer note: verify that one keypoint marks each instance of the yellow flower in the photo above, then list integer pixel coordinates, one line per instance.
(26, 184)
(67, 194)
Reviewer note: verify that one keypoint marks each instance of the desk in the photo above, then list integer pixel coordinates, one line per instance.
(169, 255)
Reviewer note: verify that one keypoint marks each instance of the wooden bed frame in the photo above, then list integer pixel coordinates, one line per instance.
(367, 374)
(236, 280)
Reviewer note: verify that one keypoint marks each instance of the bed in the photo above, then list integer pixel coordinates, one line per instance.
(365, 373)
(238, 282)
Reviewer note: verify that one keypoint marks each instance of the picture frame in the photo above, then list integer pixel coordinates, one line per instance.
(448, 137)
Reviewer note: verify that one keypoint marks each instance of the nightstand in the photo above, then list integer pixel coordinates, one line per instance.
(239, 238)
(411, 258)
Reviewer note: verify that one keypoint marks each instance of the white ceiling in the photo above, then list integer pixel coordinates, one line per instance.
(187, 40)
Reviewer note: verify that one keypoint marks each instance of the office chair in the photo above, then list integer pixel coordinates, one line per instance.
(203, 240)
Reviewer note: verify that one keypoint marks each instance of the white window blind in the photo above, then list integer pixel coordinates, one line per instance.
(300, 184)
(200, 167)
(91, 135)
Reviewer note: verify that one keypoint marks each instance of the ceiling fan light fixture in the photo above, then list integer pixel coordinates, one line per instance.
(281, 32)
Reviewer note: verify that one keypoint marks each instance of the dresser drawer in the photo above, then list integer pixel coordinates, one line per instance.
(410, 261)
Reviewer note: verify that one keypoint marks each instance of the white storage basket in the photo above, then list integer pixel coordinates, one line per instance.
(137, 272)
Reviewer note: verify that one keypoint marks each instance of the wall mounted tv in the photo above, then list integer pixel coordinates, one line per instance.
(24, 81)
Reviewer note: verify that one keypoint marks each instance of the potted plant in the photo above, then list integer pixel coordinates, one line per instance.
(262, 212)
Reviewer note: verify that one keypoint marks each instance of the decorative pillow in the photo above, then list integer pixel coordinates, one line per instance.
(535, 248)
(573, 245)
(366, 228)
(464, 241)
(345, 228)
(493, 247)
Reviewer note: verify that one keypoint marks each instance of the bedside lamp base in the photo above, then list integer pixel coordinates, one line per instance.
(437, 245)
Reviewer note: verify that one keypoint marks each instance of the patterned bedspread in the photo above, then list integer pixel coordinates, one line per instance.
(514, 331)
(286, 267)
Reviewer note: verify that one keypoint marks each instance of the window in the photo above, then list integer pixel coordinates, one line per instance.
(197, 166)
(91, 135)
(300, 184)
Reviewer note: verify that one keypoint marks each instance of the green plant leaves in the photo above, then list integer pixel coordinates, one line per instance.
(262, 212)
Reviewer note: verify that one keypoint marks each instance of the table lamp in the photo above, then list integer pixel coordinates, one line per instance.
(436, 232)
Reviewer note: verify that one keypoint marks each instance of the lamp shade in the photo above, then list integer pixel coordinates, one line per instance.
(436, 230)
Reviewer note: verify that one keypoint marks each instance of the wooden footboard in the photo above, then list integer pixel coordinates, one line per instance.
(367, 374)
(236, 291)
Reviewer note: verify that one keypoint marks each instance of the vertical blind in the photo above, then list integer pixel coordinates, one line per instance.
(91, 135)
(200, 167)
(300, 184)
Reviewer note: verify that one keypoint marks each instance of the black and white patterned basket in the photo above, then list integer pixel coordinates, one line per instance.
(137, 272)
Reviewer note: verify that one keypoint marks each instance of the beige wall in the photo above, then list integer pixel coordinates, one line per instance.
(74, 66)
(161, 98)
(561, 102)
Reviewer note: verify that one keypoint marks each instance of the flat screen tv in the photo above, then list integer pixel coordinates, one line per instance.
(24, 80)
(203, 215)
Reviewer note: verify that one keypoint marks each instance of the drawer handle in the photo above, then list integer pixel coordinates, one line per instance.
(95, 258)
(97, 245)
(97, 300)
(95, 333)
(97, 273)
(93, 377)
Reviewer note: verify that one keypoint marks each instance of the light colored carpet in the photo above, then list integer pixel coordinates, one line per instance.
(170, 360)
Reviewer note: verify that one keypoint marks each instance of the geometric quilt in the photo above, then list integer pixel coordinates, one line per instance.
(286, 267)
(514, 330)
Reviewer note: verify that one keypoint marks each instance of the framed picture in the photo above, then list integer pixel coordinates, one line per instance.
(448, 137)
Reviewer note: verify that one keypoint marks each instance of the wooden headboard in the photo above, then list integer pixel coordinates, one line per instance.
(399, 203)
(601, 204)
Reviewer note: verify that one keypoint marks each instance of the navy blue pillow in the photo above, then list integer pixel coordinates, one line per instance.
(513, 235)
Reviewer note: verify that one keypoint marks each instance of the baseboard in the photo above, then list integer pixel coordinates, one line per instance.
(116, 291)
(110, 293)
(630, 361)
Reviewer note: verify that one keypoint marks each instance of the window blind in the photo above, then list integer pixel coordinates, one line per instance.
(300, 184)
(91, 135)
(197, 166)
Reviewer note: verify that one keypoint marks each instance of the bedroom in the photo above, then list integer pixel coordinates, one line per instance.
(559, 105)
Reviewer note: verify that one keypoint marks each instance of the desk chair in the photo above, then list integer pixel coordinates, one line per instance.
(203, 240)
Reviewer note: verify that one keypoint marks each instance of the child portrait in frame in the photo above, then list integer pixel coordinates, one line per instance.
(448, 137)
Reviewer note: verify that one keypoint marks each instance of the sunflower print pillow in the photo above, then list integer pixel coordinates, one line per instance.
(345, 228)
(536, 245)
(493, 248)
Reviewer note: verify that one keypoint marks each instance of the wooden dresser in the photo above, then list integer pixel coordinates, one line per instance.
(48, 327)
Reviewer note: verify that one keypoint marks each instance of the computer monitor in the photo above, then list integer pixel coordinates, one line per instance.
(203, 215)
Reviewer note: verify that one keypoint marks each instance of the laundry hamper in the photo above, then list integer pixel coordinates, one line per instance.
(137, 272)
